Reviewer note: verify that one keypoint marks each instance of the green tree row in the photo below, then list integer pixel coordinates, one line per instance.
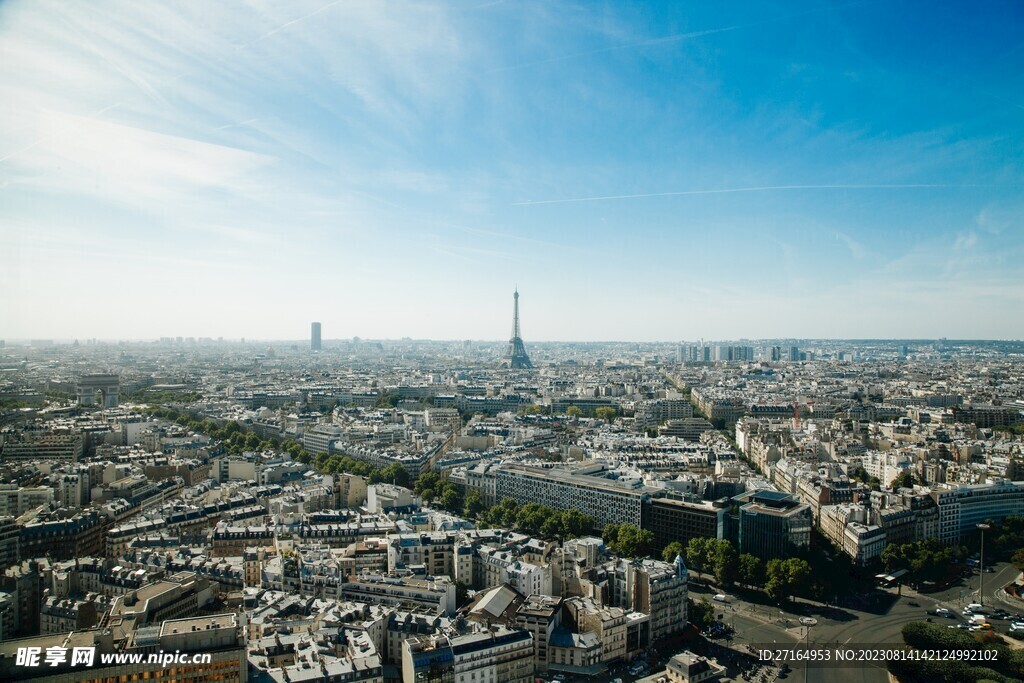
(433, 489)
(927, 559)
(535, 519)
(158, 398)
(606, 413)
(780, 579)
(235, 440)
(627, 540)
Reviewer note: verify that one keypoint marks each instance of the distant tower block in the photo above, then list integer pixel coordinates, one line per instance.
(516, 353)
(99, 390)
(314, 337)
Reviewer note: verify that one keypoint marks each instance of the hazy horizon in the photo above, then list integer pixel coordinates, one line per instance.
(327, 341)
(801, 169)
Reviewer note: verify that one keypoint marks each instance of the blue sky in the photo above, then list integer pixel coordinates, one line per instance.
(642, 171)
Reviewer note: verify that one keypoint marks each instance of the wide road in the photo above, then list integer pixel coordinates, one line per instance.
(880, 623)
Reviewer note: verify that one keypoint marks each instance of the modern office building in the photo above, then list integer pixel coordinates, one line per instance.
(314, 337)
(672, 519)
(608, 500)
(772, 524)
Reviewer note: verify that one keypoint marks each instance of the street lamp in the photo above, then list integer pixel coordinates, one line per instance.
(981, 588)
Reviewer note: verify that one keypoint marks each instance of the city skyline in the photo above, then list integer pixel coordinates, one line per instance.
(796, 170)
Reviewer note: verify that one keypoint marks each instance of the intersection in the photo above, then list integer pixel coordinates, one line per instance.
(876, 621)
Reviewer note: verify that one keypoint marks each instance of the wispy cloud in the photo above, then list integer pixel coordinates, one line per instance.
(856, 249)
(81, 154)
(737, 190)
(332, 141)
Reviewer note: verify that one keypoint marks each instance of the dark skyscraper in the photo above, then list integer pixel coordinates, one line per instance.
(314, 338)
(516, 353)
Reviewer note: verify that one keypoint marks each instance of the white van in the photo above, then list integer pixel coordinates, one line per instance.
(721, 598)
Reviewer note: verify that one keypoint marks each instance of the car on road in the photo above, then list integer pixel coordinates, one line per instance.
(721, 598)
(943, 612)
(558, 677)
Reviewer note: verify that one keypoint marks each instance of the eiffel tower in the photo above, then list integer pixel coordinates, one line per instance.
(516, 353)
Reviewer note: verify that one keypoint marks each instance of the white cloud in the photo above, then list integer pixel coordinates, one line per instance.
(81, 154)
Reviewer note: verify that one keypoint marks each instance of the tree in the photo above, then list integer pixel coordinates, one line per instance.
(575, 523)
(775, 583)
(574, 411)
(698, 554)
(628, 541)
(531, 518)
(387, 400)
(785, 576)
(1018, 560)
(798, 573)
(905, 479)
(724, 562)
(503, 514)
(671, 550)
(451, 499)
(474, 503)
(552, 527)
(893, 557)
(928, 559)
(751, 570)
(429, 480)
(606, 413)
(701, 613)
(396, 474)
